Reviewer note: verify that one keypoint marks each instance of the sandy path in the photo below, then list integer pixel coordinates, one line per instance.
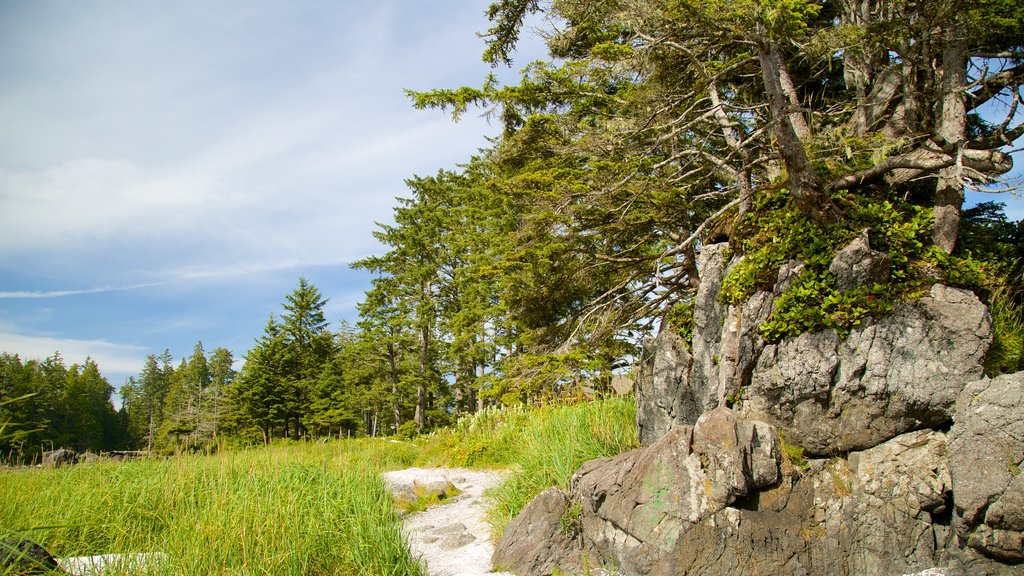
(452, 539)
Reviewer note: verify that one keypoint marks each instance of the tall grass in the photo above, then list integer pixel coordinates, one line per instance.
(543, 446)
(1006, 354)
(300, 508)
(289, 509)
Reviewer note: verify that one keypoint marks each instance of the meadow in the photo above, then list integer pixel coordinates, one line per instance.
(297, 508)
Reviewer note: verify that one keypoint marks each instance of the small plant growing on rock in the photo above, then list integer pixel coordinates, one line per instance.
(425, 498)
(570, 520)
(793, 461)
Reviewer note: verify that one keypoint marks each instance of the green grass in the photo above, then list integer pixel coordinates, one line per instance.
(1007, 352)
(298, 508)
(543, 446)
(287, 509)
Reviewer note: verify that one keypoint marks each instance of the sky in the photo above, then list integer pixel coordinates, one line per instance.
(168, 170)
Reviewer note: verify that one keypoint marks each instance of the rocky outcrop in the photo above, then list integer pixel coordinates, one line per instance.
(828, 394)
(663, 395)
(712, 500)
(899, 373)
(818, 454)
(986, 454)
(542, 539)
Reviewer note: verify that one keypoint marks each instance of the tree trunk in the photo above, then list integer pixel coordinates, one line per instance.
(949, 189)
(804, 183)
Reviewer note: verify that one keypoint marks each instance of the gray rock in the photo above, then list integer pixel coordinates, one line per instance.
(663, 393)
(60, 457)
(741, 344)
(24, 557)
(637, 506)
(900, 373)
(787, 273)
(457, 541)
(858, 265)
(540, 539)
(986, 453)
(709, 317)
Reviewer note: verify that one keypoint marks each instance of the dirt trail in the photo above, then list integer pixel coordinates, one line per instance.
(452, 538)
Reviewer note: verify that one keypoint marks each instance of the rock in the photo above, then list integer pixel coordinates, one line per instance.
(858, 265)
(23, 557)
(663, 394)
(540, 539)
(710, 500)
(60, 457)
(103, 564)
(741, 344)
(986, 453)
(709, 317)
(900, 373)
(787, 273)
(457, 541)
(637, 506)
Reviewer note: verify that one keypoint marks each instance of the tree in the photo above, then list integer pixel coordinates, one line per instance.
(273, 392)
(660, 123)
(91, 413)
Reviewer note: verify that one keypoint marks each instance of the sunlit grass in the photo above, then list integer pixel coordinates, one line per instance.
(298, 508)
(290, 509)
(543, 446)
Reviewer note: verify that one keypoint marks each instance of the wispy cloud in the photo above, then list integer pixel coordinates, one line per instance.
(12, 294)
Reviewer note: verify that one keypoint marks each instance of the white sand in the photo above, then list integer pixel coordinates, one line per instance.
(452, 539)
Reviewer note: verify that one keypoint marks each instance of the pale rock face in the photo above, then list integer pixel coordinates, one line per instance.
(899, 373)
(986, 453)
(713, 493)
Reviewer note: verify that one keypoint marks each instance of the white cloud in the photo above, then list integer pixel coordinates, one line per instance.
(112, 358)
(36, 294)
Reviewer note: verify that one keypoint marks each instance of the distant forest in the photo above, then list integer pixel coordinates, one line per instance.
(536, 269)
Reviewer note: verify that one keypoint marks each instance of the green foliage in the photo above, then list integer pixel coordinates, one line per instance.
(680, 319)
(793, 457)
(1006, 355)
(46, 405)
(287, 509)
(569, 522)
(778, 232)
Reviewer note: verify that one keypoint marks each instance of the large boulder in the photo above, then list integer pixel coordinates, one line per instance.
(986, 453)
(899, 373)
(542, 538)
(635, 507)
(713, 500)
(872, 515)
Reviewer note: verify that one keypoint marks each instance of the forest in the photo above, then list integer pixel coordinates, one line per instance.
(536, 269)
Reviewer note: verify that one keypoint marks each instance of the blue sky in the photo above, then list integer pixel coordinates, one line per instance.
(168, 170)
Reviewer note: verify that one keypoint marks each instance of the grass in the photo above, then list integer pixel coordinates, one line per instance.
(1007, 352)
(298, 508)
(287, 509)
(543, 446)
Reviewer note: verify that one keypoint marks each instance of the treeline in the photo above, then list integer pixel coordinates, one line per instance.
(46, 405)
(172, 408)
